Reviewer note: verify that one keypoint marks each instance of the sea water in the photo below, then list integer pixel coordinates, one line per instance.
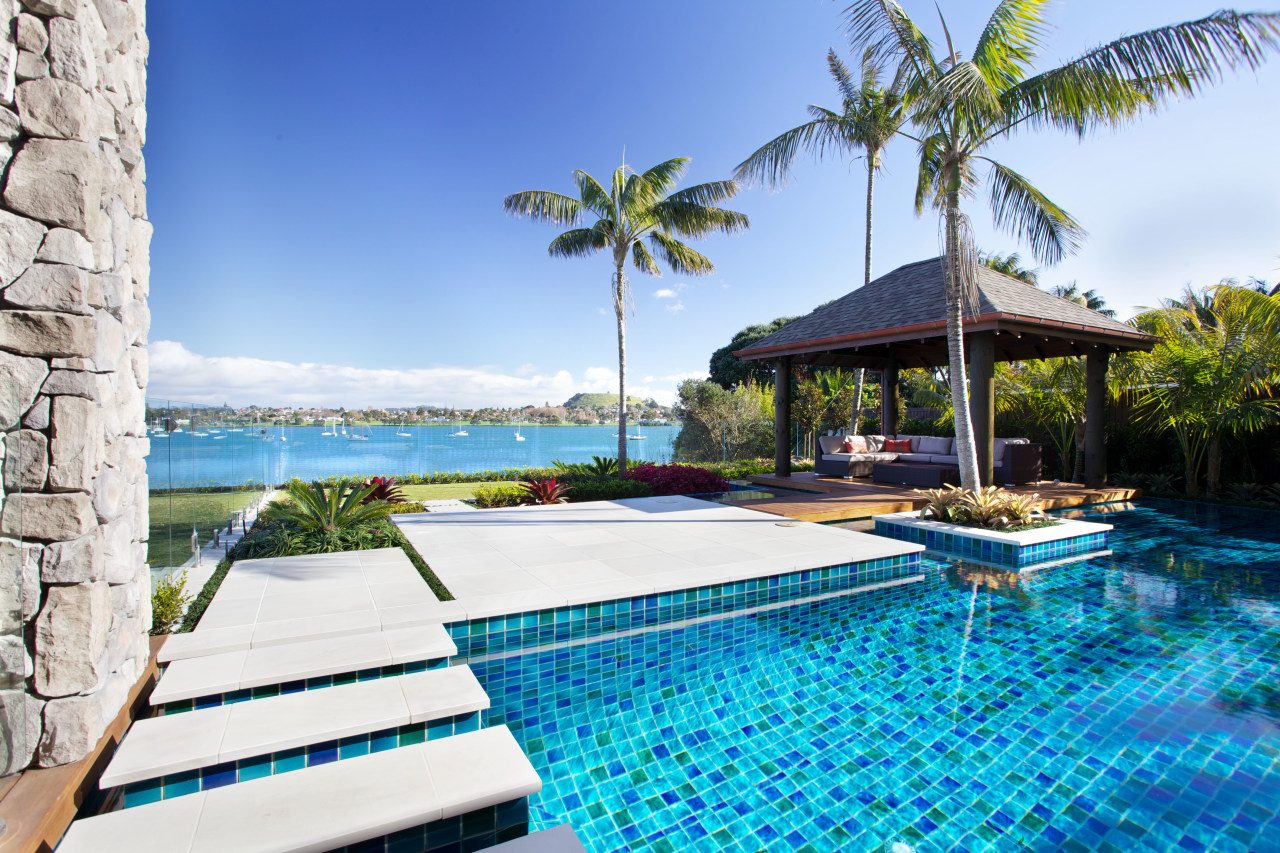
(228, 456)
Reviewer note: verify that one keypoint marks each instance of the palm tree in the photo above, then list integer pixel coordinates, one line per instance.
(1088, 298)
(637, 207)
(1010, 265)
(962, 106)
(869, 118)
(1214, 373)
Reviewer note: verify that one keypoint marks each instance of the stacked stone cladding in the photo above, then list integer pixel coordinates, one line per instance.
(75, 602)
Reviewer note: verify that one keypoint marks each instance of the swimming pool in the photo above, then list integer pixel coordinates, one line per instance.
(1128, 703)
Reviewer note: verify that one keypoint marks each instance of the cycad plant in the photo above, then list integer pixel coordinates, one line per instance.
(637, 208)
(1215, 372)
(313, 507)
(961, 106)
(869, 117)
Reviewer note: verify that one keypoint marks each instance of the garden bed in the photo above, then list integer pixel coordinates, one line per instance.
(1021, 549)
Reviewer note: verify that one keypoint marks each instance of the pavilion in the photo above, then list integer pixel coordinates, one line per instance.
(899, 320)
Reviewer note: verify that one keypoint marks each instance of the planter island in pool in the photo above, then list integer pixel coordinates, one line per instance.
(1023, 550)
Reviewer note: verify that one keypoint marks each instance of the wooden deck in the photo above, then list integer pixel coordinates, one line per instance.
(831, 499)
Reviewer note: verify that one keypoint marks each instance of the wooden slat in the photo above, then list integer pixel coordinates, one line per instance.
(42, 803)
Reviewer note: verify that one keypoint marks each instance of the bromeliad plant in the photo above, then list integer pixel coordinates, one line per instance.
(384, 489)
(547, 491)
(992, 507)
(312, 507)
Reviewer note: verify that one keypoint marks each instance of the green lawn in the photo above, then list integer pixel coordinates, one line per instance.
(173, 516)
(448, 491)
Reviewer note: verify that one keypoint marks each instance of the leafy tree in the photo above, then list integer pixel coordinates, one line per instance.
(960, 107)
(727, 370)
(636, 208)
(718, 424)
(1010, 265)
(869, 117)
(1214, 373)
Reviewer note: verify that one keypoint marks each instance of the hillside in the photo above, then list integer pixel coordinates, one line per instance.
(595, 401)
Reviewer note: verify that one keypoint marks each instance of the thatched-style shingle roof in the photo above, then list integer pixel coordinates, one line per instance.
(903, 315)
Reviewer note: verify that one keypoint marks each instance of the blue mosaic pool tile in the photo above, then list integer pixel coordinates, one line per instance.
(474, 830)
(284, 761)
(317, 683)
(1003, 553)
(1118, 703)
(543, 627)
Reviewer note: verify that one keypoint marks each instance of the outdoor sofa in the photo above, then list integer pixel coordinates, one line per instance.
(1015, 460)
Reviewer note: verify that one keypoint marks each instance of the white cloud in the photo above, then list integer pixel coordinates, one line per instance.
(675, 307)
(182, 375)
(604, 312)
(665, 293)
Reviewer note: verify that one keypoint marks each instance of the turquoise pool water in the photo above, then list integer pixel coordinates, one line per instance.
(1127, 703)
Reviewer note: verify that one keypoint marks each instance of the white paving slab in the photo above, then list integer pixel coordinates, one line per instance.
(202, 676)
(323, 807)
(292, 599)
(526, 558)
(157, 746)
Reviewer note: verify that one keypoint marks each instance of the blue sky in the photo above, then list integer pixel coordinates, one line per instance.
(326, 185)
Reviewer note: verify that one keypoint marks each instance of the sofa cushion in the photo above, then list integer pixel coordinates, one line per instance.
(915, 442)
(856, 444)
(914, 457)
(875, 443)
(830, 443)
(945, 460)
(940, 445)
(878, 457)
(897, 445)
(998, 446)
(844, 457)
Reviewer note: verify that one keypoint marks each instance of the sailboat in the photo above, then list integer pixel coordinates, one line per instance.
(401, 430)
(519, 437)
(357, 435)
(331, 426)
(639, 436)
(283, 437)
(459, 432)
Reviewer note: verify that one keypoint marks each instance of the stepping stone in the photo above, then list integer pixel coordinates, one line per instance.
(228, 672)
(174, 743)
(323, 807)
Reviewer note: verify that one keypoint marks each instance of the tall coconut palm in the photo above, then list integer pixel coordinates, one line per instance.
(636, 208)
(1010, 265)
(869, 117)
(1215, 372)
(1088, 298)
(961, 107)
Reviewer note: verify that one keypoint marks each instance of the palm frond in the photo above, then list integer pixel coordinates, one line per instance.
(644, 261)
(681, 258)
(710, 193)
(849, 90)
(770, 164)
(1018, 206)
(544, 206)
(578, 243)
(884, 29)
(592, 194)
(929, 174)
(689, 219)
(664, 176)
(1009, 42)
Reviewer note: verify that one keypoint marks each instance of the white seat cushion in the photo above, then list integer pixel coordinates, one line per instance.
(914, 457)
(939, 445)
(945, 460)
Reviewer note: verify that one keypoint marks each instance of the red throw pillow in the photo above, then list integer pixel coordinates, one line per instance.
(897, 445)
(848, 445)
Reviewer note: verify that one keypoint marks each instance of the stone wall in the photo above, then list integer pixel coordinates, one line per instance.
(74, 242)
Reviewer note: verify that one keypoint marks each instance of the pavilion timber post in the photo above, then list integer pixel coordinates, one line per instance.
(888, 398)
(982, 399)
(1095, 400)
(782, 417)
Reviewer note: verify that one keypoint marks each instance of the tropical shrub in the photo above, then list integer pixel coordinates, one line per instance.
(677, 479)
(547, 491)
(383, 489)
(487, 497)
(168, 602)
(599, 466)
(992, 507)
(314, 507)
(406, 507)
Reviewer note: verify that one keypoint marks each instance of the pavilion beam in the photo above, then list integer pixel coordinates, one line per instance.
(982, 398)
(889, 398)
(1095, 401)
(782, 417)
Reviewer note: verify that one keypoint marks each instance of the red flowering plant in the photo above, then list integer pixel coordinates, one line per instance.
(547, 491)
(677, 479)
(384, 489)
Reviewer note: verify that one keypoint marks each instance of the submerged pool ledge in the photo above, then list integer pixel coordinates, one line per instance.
(1023, 550)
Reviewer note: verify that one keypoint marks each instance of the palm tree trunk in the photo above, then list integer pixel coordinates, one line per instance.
(1213, 473)
(965, 445)
(1079, 467)
(620, 308)
(856, 416)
